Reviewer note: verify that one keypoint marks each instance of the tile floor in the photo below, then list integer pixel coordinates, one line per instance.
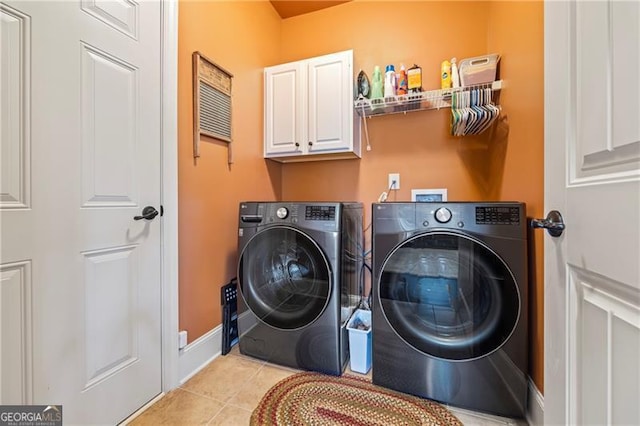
(227, 390)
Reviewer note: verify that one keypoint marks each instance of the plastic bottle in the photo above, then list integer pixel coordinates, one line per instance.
(445, 75)
(402, 81)
(455, 77)
(390, 83)
(376, 87)
(414, 79)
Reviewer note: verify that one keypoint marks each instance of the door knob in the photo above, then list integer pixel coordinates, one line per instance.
(148, 213)
(553, 223)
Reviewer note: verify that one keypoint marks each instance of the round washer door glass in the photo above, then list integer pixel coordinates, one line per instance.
(284, 278)
(449, 296)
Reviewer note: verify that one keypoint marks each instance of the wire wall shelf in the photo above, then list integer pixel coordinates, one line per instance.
(431, 99)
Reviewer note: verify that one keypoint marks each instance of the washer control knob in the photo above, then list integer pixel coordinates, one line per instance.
(443, 215)
(282, 213)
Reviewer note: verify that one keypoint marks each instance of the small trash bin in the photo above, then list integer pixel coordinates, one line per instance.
(359, 327)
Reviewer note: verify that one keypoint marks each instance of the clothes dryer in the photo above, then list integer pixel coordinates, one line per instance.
(299, 276)
(450, 303)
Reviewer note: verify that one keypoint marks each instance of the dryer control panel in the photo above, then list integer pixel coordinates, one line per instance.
(497, 215)
(320, 213)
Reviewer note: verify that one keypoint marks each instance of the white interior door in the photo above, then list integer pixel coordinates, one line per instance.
(592, 176)
(80, 295)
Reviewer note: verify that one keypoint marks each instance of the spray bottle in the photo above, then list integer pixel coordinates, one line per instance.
(402, 81)
(455, 77)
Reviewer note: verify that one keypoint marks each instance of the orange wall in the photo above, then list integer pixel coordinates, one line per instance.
(517, 31)
(505, 163)
(242, 37)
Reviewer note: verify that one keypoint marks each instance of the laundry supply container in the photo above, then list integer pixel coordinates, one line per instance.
(359, 327)
(478, 70)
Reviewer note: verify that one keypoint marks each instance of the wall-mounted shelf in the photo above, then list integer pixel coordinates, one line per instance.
(431, 99)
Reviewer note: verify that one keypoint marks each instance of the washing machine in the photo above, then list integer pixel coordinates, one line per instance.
(299, 275)
(450, 303)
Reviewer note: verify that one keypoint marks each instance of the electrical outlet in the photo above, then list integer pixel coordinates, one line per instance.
(394, 181)
(182, 339)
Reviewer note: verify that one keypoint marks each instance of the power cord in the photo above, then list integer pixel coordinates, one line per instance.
(385, 194)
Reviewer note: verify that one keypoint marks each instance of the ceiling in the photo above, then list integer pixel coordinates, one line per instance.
(288, 8)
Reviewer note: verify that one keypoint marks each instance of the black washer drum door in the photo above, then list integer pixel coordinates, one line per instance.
(449, 296)
(284, 278)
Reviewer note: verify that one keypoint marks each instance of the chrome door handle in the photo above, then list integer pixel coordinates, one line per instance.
(553, 223)
(148, 213)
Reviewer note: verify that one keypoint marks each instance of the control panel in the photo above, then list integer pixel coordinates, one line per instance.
(497, 215)
(320, 213)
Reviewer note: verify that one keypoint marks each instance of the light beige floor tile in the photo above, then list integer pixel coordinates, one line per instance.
(241, 382)
(253, 391)
(231, 416)
(235, 352)
(473, 418)
(223, 378)
(179, 407)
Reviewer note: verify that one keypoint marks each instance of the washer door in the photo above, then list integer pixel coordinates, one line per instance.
(449, 296)
(284, 278)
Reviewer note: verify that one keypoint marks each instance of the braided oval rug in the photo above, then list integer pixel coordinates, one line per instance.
(317, 399)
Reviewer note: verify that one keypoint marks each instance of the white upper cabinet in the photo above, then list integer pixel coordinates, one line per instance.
(309, 111)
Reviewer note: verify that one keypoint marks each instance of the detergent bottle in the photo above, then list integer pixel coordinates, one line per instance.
(445, 75)
(376, 88)
(402, 88)
(414, 79)
(390, 83)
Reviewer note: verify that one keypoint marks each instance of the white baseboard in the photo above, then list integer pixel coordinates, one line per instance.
(197, 354)
(535, 406)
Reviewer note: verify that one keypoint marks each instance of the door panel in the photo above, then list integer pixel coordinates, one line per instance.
(607, 138)
(15, 331)
(285, 108)
(330, 120)
(109, 124)
(119, 14)
(15, 53)
(111, 292)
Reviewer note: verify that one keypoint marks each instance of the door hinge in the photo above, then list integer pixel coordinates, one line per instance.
(161, 210)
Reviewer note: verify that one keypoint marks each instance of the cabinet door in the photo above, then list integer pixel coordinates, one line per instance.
(285, 109)
(330, 91)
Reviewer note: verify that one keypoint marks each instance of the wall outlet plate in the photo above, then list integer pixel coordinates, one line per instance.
(394, 181)
(182, 339)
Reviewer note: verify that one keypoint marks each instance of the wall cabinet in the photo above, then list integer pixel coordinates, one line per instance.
(308, 111)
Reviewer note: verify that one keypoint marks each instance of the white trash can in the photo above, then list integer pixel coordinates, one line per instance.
(359, 327)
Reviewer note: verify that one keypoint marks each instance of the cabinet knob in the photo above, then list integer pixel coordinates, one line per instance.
(310, 143)
(297, 144)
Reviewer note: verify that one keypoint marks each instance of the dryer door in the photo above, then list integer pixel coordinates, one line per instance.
(449, 296)
(284, 278)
